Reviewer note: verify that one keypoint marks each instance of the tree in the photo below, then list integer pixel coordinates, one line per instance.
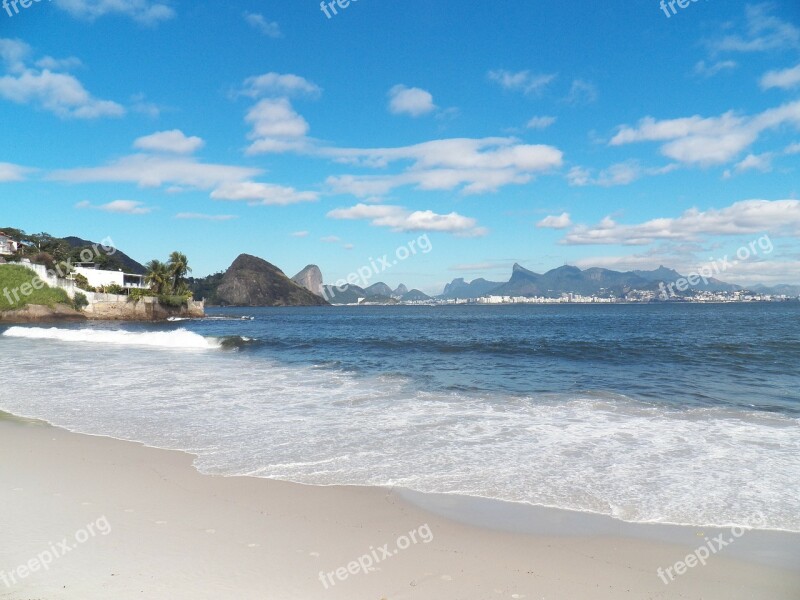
(178, 267)
(157, 276)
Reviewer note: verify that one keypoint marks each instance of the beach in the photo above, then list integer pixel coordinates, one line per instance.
(170, 532)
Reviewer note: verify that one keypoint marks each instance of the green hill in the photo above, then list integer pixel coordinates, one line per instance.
(18, 289)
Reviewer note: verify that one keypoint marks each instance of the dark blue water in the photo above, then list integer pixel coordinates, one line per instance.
(738, 355)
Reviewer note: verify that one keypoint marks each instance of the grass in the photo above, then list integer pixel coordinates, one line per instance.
(17, 291)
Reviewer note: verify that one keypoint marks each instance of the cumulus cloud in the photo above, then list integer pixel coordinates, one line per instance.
(279, 85)
(410, 101)
(263, 194)
(123, 207)
(262, 24)
(173, 141)
(59, 93)
(276, 127)
(400, 219)
(141, 11)
(745, 217)
(561, 221)
(708, 141)
(581, 92)
(521, 81)
(474, 165)
(785, 79)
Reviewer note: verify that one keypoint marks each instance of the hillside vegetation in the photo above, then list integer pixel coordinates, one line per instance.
(17, 289)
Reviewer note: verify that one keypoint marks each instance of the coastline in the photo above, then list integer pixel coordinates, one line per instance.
(176, 533)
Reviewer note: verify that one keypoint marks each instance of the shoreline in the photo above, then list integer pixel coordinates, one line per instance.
(177, 533)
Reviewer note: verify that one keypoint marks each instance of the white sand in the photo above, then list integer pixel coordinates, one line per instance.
(174, 534)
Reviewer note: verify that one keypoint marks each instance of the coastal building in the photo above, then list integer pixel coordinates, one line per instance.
(7, 245)
(99, 278)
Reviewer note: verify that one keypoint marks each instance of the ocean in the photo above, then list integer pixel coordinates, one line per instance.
(668, 413)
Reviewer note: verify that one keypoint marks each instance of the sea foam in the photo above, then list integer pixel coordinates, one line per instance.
(180, 338)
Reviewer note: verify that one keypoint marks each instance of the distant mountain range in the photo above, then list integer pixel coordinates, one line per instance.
(594, 281)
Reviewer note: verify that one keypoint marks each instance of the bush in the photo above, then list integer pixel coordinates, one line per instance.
(114, 288)
(83, 283)
(172, 300)
(80, 301)
(137, 294)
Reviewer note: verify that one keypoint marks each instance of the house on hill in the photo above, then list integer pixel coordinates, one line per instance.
(7, 245)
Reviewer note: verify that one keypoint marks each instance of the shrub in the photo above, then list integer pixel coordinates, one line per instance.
(137, 294)
(83, 283)
(114, 288)
(172, 300)
(80, 301)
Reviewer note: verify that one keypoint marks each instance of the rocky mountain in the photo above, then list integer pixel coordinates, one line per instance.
(310, 278)
(348, 294)
(400, 291)
(252, 281)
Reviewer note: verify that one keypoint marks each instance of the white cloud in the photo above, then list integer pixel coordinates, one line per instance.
(792, 149)
(410, 101)
(276, 127)
(474, 165)
(330, 239)
(262, 194)
(279, 84)
(174, 141)
(561, 221)
(708, 141)
(704, 70)
(402, 220)
(541, 122)
(522, 81)
(59, 93)
(259, 22)
(763, 32)
(142, 11)
(300, 234)
(12, 172)
(124, 207)
(155, 171)
(745, 217)
(755, 162)
(785, 79)
(189, 216)
(581, 92)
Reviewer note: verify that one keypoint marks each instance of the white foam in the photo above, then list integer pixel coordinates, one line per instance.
(180, 338)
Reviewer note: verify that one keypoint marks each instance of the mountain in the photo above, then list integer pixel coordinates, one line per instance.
(414, 296)
(400, 291)
(310, 278)
(348, 294)
(459, 288)
(118, 258)
(252, 281)
(379, 289)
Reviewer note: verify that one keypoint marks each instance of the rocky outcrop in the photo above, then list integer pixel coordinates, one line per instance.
(310, 278)
(108, 307)
(252, 281)
(38, 313)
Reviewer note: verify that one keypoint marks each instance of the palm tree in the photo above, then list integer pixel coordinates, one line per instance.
(178, 267)
(157, 276)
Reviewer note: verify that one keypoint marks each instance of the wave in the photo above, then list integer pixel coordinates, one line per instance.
(180, 338)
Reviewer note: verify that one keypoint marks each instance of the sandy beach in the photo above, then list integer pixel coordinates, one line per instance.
(95, 518)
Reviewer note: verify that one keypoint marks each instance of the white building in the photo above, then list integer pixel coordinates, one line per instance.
(7, 245)
(98, 278)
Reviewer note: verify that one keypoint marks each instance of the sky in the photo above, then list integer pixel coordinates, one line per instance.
(614, 134)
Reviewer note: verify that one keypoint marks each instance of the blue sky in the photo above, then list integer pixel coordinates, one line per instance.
(545, 133)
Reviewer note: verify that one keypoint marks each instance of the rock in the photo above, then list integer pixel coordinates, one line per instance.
(310, 278)
(252, 281)
(38, 312)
